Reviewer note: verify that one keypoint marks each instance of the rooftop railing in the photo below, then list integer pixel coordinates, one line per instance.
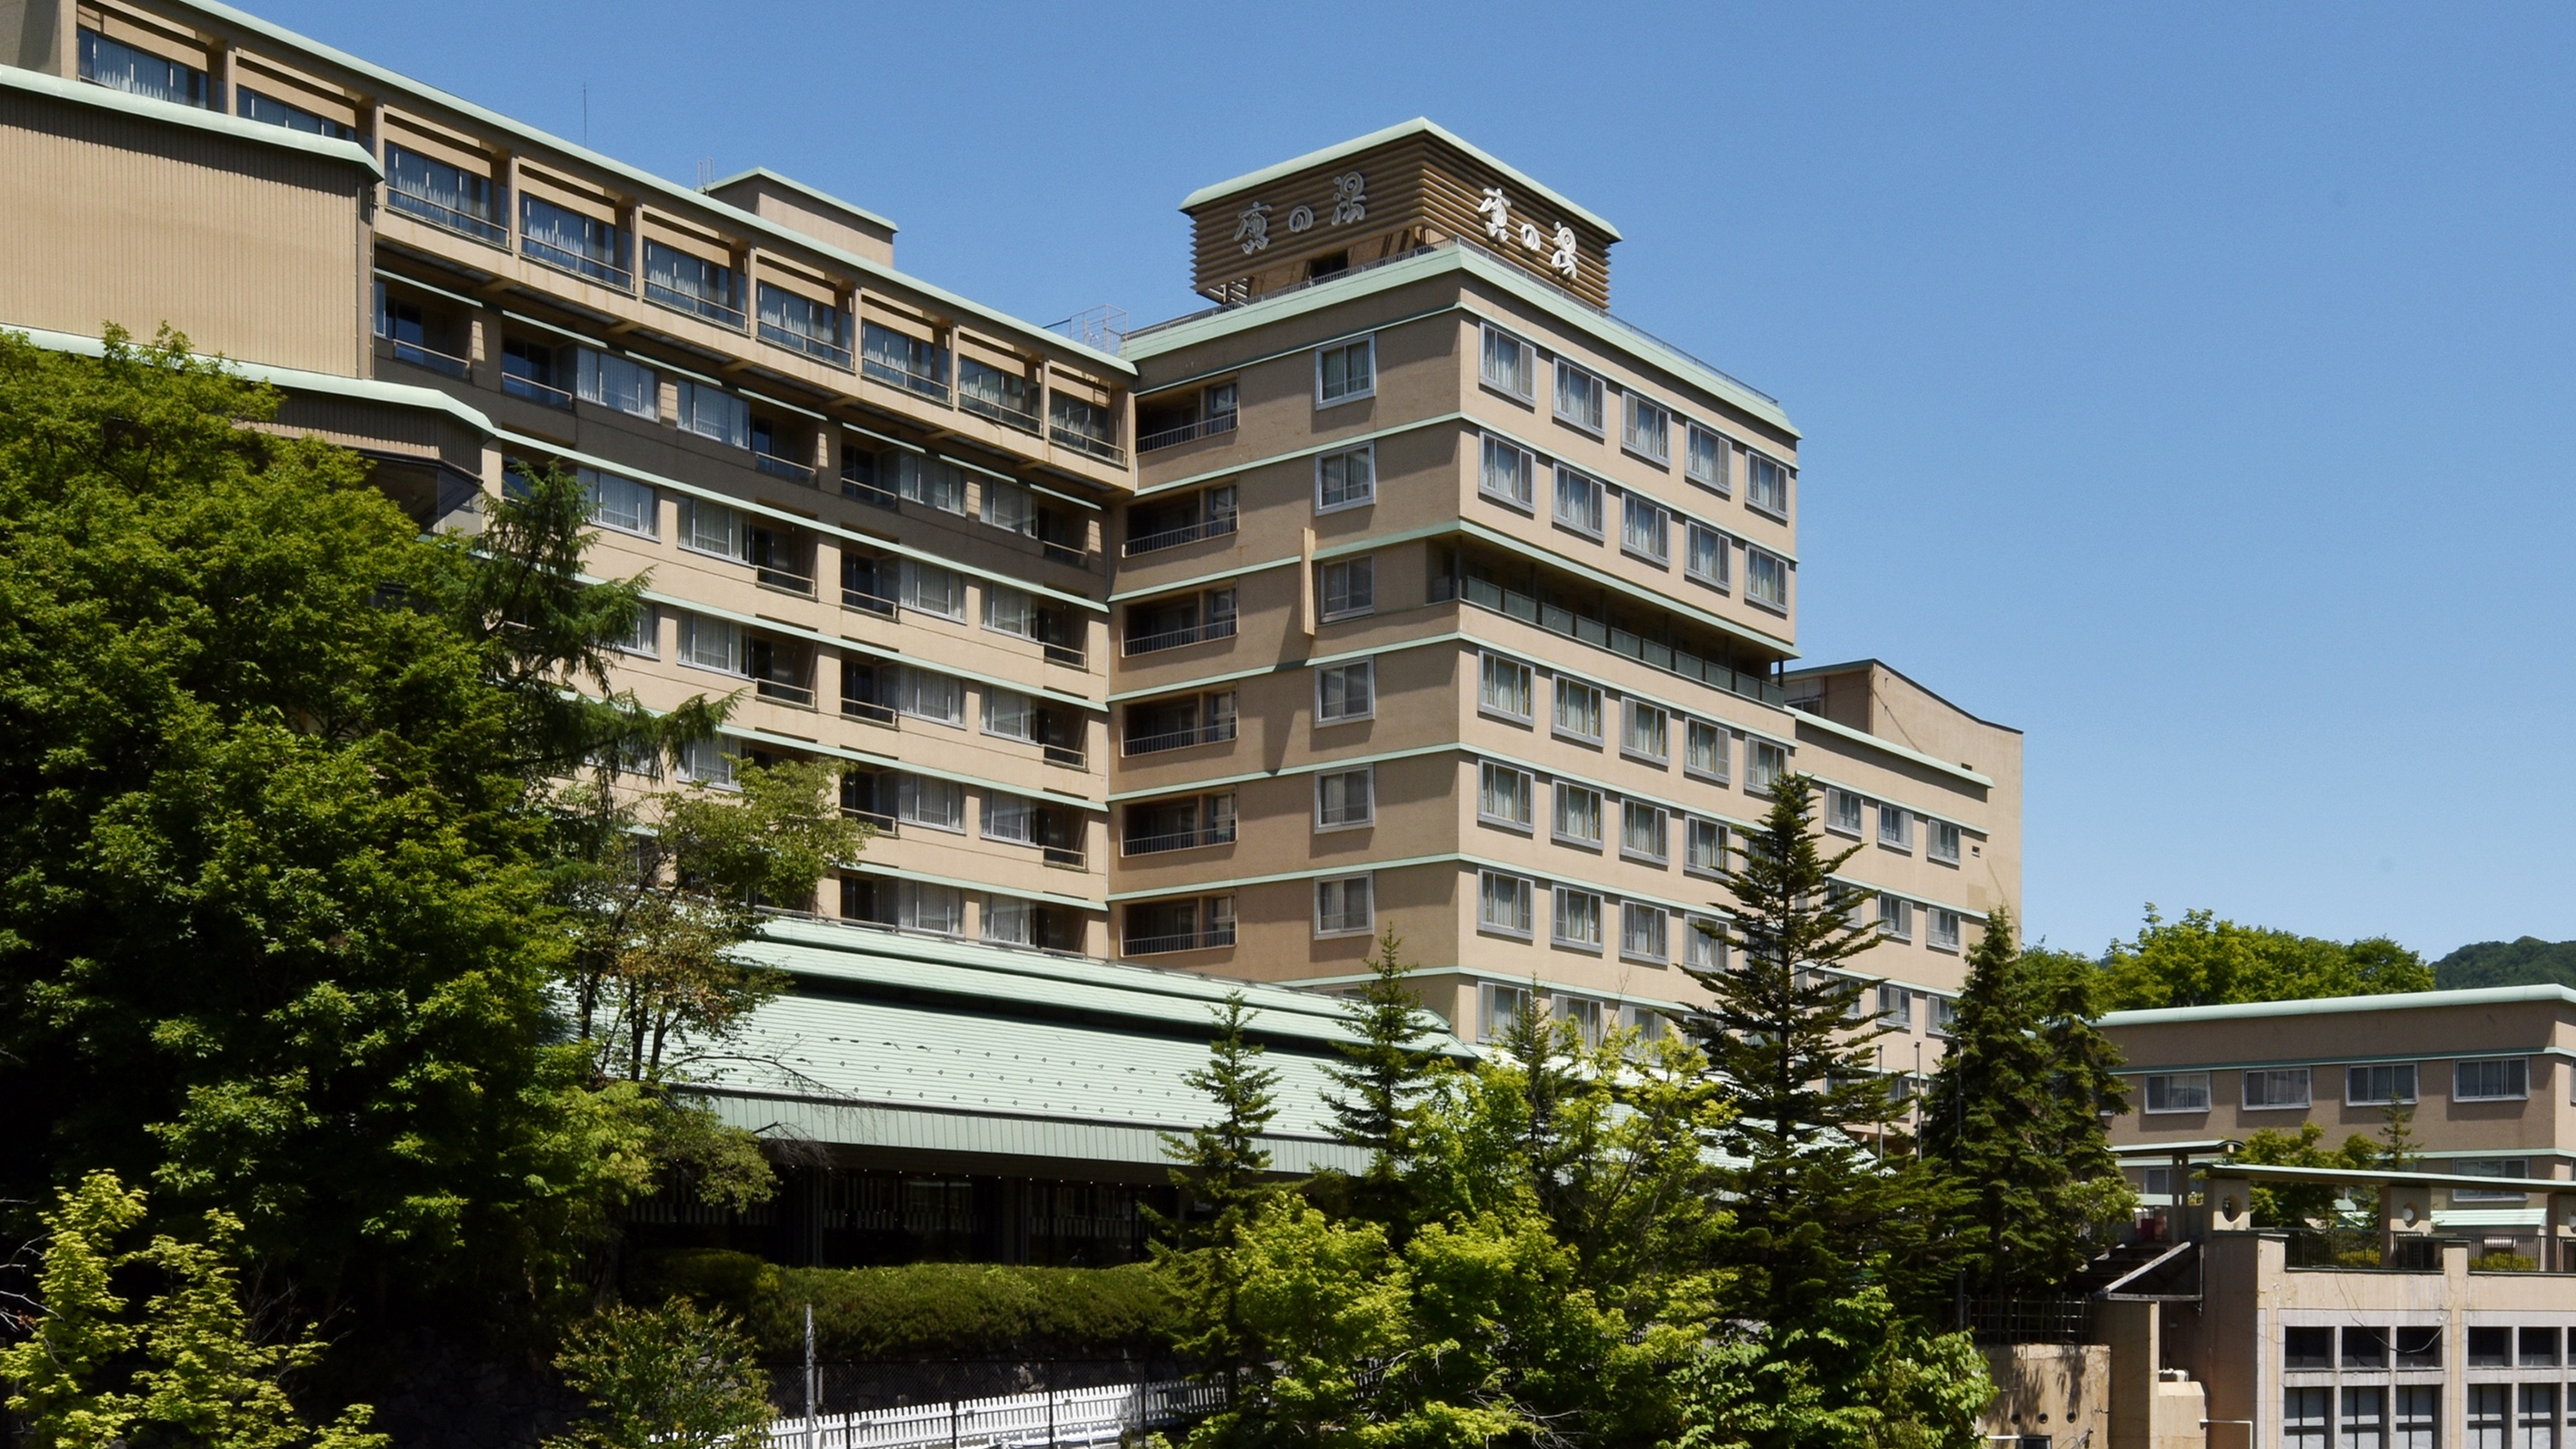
(1175, 537)
(1187, 432)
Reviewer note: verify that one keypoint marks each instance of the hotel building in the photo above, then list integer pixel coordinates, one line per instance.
(1405, 587)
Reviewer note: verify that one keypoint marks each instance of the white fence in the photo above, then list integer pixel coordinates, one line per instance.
(1072, 1417)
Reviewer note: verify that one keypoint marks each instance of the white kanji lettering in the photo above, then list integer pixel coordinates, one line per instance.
(1530, 236)
(1562, 259)
(1498, 213)
(1252, 228)
(1300, 217)
(1350, 198)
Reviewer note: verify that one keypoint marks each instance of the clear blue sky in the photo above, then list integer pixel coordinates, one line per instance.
(2187, 386)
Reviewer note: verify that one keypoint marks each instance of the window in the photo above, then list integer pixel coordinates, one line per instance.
(1009, 714)
(1703, 846)
(2488, 1167)
(1503, 904)
(2363, 1420)
(1346, 479)
(1578, 919)
(1705, 464)
(1346, 691)
(1647, 429)
(1705, 558)
(1704, 752)
(1171, 724)
(621, 503)
(1941, 929)
(2483, 1427)
(2178, 1091)
(1345, 371)
(1766, 578)
(1703, 949)
(1578, 397)
(1945, 1015)
(2493, 1080)
(122, 67)
(1585, 1013)
(1896, 827)
(1508, 364)
(1578, 814)
(2536, 1407)
(619, 382)
(1648, 734)
(712, 528)
(1503, 687)
(1642, 929)
(1766, 483)
(2538, 1348)
(711, 644)
(1578, 710)
(1193, 924)
(713, 413)
(1011, 921)
(674, 278)
(1010, 611)
(932, 909)
(709, 762)
(1503, 795)
(2419, 1408)
(440, 194)
(2303, 1418)
(1498, 1007)
(903, 361)
(1644, 832)
(805, 324)
(1896, 1006)
(2276, 1087)
(559, 236)
(1895, 918)
(1578, 503)
(1010, 507)
(1343, 906)
(1079, 423)
(1941, 842)
(1349, 587)
(1645, 529)
(930, 589)
(644, 636)
(931, 482)
(1010, 817)
(2387, 1085)
(1509, 473)
(1764, 762)
(1183, 824)
(924, 694)
(2301, 1348)
(1345, 798)
(932, 804)
(2490, 1348)
(1843, 811)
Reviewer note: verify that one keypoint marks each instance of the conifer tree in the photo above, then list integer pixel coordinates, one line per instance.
(1223, 1169)
(1385, 1073)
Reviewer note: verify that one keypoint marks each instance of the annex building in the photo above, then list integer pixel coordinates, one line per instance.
(1405, 585)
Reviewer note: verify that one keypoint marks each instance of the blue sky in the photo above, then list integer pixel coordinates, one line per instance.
(2187, 386)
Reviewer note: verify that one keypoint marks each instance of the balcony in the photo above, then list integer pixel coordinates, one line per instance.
(1175, 537)
(867, 603)
(821, 348)
(1208, 734)
(895, 374)
(1559, 620)
(776, 466)
(779, 579)
(785, 692)
(1072, 757)
(682, 300)
(1187, 432)
(1067, 857)
(1081, 442)
(999, 411)
(535, 391)
(1177, 840)
(884, 825)
(446, 364)
(1177, 638)
(447, 218)
(869, 711)
(580, 264)
(1207, 940)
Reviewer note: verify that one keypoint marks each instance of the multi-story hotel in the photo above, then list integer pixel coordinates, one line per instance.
(1404, 587)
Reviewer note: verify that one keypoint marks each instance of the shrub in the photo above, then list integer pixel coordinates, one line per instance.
(925, 1310)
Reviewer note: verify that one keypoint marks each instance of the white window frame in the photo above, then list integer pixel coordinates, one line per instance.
(2276, 1089)
(908, 792)
(1722, 578)
(1000, 705)
(1492, 334)
(1896, 1005)
(1597, 422)
(996, 595)
(598, 483)
(1633, 913)
(1366, 347)
(1635, 506)
(2191, 1082)
(1941, 842)
(1838, 802)
(1497, 1005)
(1367, 883)
(1359, 570)
(646, 641)
(692, 510)
(1359, 498)
(1526, 787)
(1488, 667)
(1363, 669)
(1368, 813)
(1599, 511)
(1636, 408)
(1941, 928)
(736, 666)
(2412, 1072)
(1525, 499)
(1556, 707)
(1558, 798)
(1896, 918)
(1755, 562)
(1702, 948)
(1517, 892)
(1633, 709)
(2517, 1074)
(1895, 827)
(1754, 459)
(1557, 915)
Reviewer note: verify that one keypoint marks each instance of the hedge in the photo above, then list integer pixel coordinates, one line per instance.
(925, 1310)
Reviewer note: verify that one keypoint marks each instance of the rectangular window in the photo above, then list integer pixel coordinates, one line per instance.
(1010, 817)
(2536, 1410)
(1945, 1015)
(1346, 691)
(675, 278)
(996, 393)
(925, 694)
(2301, 1348)
(2483, 1426)
(1578, 397)
(1189, 924)
(1509, 473)
(622, 503)
(1941, 931)
(1645, 529)
(2178, 1091)
(712, 528)
(927, 588)
(122, 67)
(1578, 710)
(711, 644)
(1764, 762)
(1503, 904)
(1585, 1013)
(933, 910)
(1766, 578)
(1941, 842)
(1009, 714)
(1766, 484)
(1348, 587)
(804, 324)
(1346, 479)
(1645, 832)
(1706, 463)
(2387, 1084)
(2490, 1347)
(618, 382)
(1345, 906)
(1345, 371)
(931, 482)
(440, 194)
(1010, 508)
(1508, 364)
(714, 413)
(644, 636)
(1896, 1006)
(1705, 752)
(2514, 1167)
(1498, 1007)
(1647, 734)
(1578, 814)
(1010, 611)
(1010, 921)
(2419, 1411)
(931, 804)
(1578, 919)
(2277, 1087)
(1503, 795)
(709, 762)
(2362, 1422)
(1706, 560)
(1345, 798)
(2493, 1080)
(1503, 687)
(903, 361)
(1896, 827)
(1895, 918)
(1704, 843)
(2537, 1348)
(1647, 429)
(1703, 949)
(1642, 932)
(1843, 811)
(591, 246)
(1578, 503)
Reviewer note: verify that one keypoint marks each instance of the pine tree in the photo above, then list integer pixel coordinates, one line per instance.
(1223, 1170)
(1380, 1087)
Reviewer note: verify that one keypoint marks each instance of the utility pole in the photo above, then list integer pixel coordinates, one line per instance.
(809, 1376)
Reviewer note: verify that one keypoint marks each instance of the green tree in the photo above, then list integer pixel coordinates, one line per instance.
(1385, 1069)
(1861, 1375)
(670, 1377)
(2523, 961)
(2203, 961)
(1223, 1173)
(2302, 1204)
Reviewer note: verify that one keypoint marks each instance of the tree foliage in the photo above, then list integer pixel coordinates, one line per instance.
(1858, 1376)
(670, 1377)
(2203, 961)
(2523, 961)
(1380, 1080)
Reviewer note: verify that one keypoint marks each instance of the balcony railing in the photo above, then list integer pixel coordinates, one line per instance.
(860, 709)
(859, 490)
(1211, 734)
(1072, 757)
(577, 263)
(795, 341)
(784, 580)
(1175, 537)
(1175, 638)
(1178, 840)
(782, 467)
(1181, 941)
(1068, 857)
(431, 358)
(1099, 448)
(903, 377)
(439, 214)
(535, 391)
(1066, 553)
(695, 305)
(865, 602)
(784, 692)
(885, 824)
(1071, 656)
(1559, 620)
(1187, 432)
(999, 411)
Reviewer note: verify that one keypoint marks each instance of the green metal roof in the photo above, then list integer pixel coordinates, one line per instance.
(1418, 126)
(292, 379)
(2326, 1005)
(106, 98)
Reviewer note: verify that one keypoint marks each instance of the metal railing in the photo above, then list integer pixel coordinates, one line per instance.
(785, 692)
(563, 259)
(1181, 941)
(1557, 619)
(782, 467)
(870, 711)
(1080, 442)
(693, 304)
(1187, 432)
(1072, 757)
(795, 341)
(2049, 1319)
(1065, 553)
(535, 391)
(441, 215)
(429, 357)
(1071, 656)
(859, 490)
(1175, 537)
(1067, 857)
(860, 599)
(1177, 840)
(1001, 412)
(1212, 734)
(784, 580)
(1176, 638)
(903, 377)
(883, 824)
(1021, 1421)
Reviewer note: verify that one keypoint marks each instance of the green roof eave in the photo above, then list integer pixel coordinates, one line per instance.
(791, 183)
(2332, 1005)
(1418, 126)
(292, 379)
(260, 133)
